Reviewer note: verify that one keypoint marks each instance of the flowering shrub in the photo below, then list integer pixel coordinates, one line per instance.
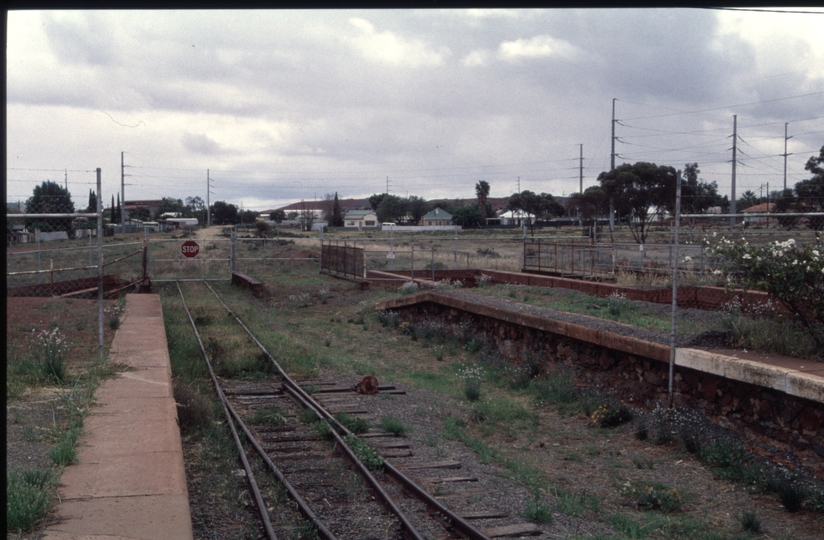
(447, 283)
(792, 274)
(409, 287)
(611, 415)
(662, 499)
(472, 376)
(301, 299)
(482, 280)
(388, 318)
(53, 349)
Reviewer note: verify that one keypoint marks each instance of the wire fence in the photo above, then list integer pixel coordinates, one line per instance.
(75, 266)
(34, 267)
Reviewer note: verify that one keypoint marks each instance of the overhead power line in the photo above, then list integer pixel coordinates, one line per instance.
(727, 107)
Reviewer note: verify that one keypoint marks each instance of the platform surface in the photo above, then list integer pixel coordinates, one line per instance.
(129, 480)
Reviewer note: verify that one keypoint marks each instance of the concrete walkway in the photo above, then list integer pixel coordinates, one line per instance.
(129, 480)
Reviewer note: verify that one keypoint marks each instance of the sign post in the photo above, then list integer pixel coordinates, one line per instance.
(190, 248)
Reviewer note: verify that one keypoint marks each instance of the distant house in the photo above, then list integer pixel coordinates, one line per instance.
(762, 208)
(179, 223)
(515, 217)
(152, 205)
(758, 208)
(360, 219)
(437, 218)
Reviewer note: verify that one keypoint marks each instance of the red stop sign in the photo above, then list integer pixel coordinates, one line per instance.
(190, 248)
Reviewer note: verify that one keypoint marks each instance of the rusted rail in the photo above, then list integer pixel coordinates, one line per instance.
(295, 394)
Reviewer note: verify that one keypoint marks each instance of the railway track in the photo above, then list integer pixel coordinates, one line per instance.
(316, 469)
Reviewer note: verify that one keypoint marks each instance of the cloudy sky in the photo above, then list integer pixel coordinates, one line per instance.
(281, 106)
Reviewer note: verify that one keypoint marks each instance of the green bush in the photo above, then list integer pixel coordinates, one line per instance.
(352, 423)
(64, 453)
(28, 495)
(322, 429)
(390, 424)
(267, 417)
(365, 453)
(611, 415)
(749, 522)
(537, 511)
(472, 389)
(730, 460)
(790, 492)
(791, 273)
(654, 496)
(194, 411)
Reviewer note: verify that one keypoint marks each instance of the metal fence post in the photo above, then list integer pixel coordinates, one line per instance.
(432, 264)
(674, 288)
(100, 344)
(412, 262)
(523, 264)
(39, 277)
(233, 256)
(613, 259)
(145, 276)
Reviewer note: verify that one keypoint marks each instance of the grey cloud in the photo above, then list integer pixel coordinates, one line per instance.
(81, 37)
(200, 144)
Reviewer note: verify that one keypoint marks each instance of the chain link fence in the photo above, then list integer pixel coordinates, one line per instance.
(56, 250)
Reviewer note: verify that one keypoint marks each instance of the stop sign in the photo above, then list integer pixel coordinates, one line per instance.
(190, 248)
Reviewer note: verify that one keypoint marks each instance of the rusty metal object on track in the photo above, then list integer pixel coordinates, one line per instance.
(367, 385)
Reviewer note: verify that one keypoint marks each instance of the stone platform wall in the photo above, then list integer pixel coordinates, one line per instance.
(745, 408)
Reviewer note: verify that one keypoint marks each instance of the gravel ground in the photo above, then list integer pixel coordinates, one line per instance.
(424, 411)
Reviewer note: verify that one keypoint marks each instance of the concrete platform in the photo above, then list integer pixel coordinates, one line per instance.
(792, 376)
(129, 481)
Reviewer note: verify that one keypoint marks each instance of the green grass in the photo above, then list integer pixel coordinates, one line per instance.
(472, 389)
(390, 424)
(557, 389)
(615, 308)
(537, 510)
(267, 417)
(298, 339)
(352, 423)
(574, 503)
(770, 336)
(28, 496)
(730, 461)
(365, 453)
(435, 382)
(749, 521)
(503, 411)
(64, 452)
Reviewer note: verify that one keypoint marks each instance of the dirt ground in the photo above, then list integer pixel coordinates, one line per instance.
(35, 415)
(570, 452)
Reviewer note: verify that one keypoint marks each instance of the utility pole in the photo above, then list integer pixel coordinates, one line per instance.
(612, 168)
(734, 160)
(208, 191)
(580, 178)
(122, 194)
(387, 185)
(519, 184)
(785, 154)
(66, 173)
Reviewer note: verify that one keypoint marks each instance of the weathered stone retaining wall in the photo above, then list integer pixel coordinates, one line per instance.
(745, 408)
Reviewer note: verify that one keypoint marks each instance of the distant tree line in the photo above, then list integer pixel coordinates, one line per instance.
(637, 193)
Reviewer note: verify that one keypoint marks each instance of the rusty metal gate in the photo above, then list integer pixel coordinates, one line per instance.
(346, 260)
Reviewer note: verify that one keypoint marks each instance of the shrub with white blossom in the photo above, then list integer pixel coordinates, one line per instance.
(791, 273)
